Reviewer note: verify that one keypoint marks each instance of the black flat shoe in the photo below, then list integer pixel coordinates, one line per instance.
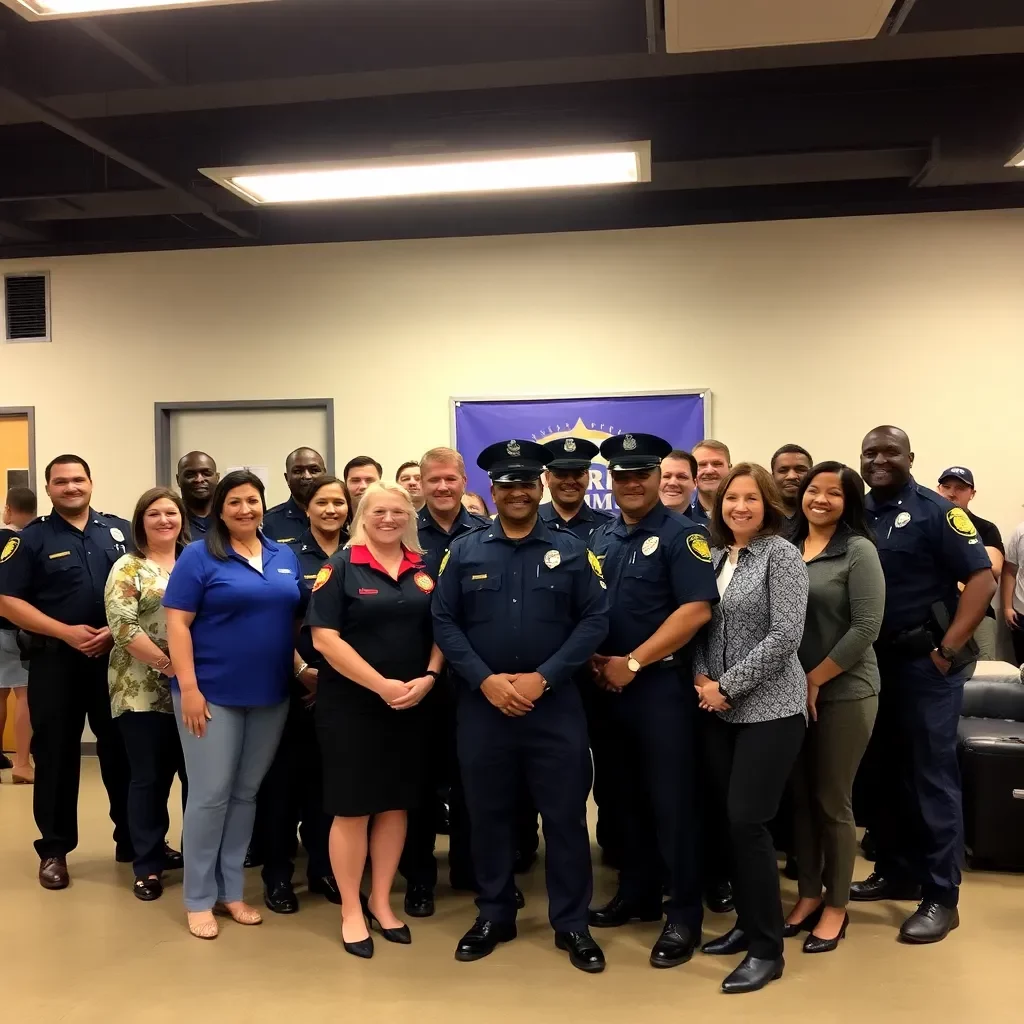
(617, 912)
(875, 887)
(753, 974)
(148, 889)
(520, 898)
(808, 924)
(419, 901)
(718, 898)
(173, 860)
(735, 941)
(401, 935)
(931, 922)
(584, 953)
(482, 939)
(280, 898)
(814, 944)
(676, 945)
(326, 887)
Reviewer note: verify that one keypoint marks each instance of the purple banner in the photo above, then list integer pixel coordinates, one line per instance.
(677, 418)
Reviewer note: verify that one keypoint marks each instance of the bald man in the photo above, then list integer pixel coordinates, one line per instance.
(287, 522)
(197, 477)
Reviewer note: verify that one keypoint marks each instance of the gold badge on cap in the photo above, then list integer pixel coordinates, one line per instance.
(628, 444)
(9, 548)
(552, 558)
(650, 545)
(322, 577)
(902, 519)
(699, 547)
(570, 445)
(424, 582)
(513, 448)
(961, 522)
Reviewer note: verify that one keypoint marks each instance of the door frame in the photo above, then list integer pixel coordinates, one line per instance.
(29, 412)
(162, 425)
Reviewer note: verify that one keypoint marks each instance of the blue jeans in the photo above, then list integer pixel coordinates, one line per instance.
(225, 769)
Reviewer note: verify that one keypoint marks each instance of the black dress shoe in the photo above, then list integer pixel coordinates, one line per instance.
(931, 922)
(868, 847)
(400, 935)
(327, 887)
(280, 898)
(753, 974)
(676, 945)
(736, 941)
(482, 938)
(617, 912)
(147, 889)
(875, 887)
(5, 762)
(253, 858)
(520, 898)
(173, 860)
(718, 898)
(814, 944)
(419, 901)
(584, 953)
(808, 924)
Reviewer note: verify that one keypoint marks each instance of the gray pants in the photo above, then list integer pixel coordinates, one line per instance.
(985, 638)
(824, 828)
(225, 769)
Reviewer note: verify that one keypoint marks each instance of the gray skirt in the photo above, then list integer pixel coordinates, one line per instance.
(12, 671)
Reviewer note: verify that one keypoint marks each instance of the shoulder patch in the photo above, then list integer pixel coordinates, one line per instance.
(698, 545)
(322, 577)
(595, 564)
(9, 548)
(423, 581)
(444, 561)
(961, 522)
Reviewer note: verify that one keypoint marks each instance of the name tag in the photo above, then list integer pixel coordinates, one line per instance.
(60, 554)
(287, 572)
(363, 591)
(310, 577)
(480, 576)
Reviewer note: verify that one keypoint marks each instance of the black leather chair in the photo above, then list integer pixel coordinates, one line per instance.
(990, 745)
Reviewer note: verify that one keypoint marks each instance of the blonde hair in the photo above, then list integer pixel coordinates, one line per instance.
(444, 455)
(410, 535)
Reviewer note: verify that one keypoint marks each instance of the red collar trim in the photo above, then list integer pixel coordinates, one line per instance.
(361, 555)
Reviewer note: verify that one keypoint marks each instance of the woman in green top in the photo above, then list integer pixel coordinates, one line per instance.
(844, 614)
(140, 699)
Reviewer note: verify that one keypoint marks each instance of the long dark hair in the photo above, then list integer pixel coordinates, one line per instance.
(327, 481)
(218, 540)
(853, 517)
(139, 519)
(774, 516)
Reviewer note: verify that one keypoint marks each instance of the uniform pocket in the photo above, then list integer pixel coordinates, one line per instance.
(550, 594)
(481, 596)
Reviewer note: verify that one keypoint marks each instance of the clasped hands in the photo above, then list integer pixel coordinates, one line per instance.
(513, 694)
(402, 696)
(611, 673)
(710, 695)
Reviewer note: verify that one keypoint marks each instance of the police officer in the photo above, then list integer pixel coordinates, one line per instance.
(657, 565)
(51, 585)
(566, 479)
(927, 546)
(286, 522)
(197, 476)
(519, 607)
(442, 519)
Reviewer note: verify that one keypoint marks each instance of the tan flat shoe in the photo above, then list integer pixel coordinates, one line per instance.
(26, 778)
(201, 926)
(240, 913)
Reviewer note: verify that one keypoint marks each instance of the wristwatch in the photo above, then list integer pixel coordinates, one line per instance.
(432, 672)
(633, 665)
(302, 668)
(948, 653)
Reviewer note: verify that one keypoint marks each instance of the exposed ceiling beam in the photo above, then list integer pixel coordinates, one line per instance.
(522, 74)
(42, 112)
(118, 49)
(13, 231)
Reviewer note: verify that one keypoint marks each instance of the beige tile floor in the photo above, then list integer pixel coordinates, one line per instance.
(93, 953)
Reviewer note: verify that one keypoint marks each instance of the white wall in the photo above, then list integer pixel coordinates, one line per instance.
(806, 331)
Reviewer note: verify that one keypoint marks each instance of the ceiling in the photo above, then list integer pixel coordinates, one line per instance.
(105, 121)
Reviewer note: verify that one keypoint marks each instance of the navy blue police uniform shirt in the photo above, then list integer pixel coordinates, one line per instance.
(926, 545)
(61, 570)
(311, 558)
(663, 562)
(286, 522)
(6, 536)
(198, 525)
(532, 605)
(435, 541)
(583, 524)
(697, 513)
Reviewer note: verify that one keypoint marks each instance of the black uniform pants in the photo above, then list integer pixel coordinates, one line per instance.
(604, 737)
(651, 770)
(919, 825)
(64, 689)
(716, 845)
(291, 803)
(547, 748)
(751, 765)
(154, 758)
(440, 776)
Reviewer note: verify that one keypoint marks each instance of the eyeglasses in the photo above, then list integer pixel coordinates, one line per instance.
(379, 514)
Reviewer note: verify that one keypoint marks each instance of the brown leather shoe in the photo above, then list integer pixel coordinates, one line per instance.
(53, 873)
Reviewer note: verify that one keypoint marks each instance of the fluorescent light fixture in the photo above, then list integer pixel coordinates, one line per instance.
(450, 174)
(49, 10)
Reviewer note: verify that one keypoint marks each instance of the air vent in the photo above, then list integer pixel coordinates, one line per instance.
(27, 307)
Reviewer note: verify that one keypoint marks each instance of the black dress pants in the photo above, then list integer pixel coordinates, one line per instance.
(751, 765)
(604, 731)
(154, 757)
(64, 689)
(291, 802)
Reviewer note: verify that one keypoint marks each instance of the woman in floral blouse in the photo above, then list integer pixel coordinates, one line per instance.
(140, 699)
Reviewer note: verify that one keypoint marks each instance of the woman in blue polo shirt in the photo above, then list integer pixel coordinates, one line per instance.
(231, 603)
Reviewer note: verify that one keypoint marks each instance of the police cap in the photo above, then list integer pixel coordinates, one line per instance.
(514, 461)
(961, 473)
(635, 451)
(570, 453)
